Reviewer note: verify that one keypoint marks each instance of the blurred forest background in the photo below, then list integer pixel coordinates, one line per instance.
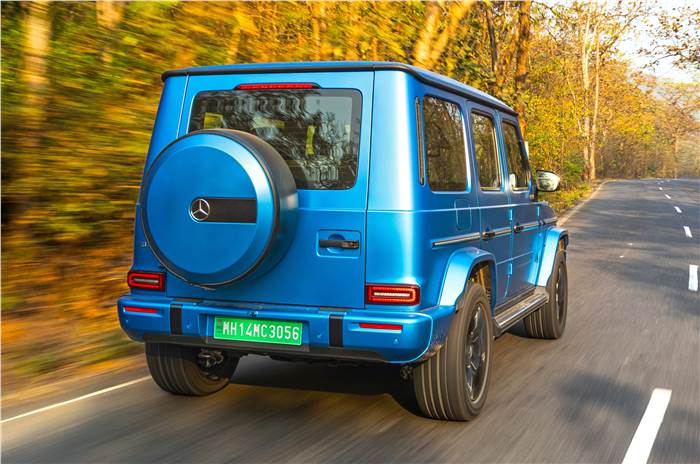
(81, 82)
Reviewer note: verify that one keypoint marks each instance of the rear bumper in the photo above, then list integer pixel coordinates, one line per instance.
(327, 333)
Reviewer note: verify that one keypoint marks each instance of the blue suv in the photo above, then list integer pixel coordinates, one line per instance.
(350, 211)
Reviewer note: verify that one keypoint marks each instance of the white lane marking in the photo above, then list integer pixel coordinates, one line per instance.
(629, 244)
(643, 440)
(80, 398)
(678, 210)
(667, 196)
(688, 233)
(693, 278)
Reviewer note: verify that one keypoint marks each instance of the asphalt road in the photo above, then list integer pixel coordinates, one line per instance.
(634, 325)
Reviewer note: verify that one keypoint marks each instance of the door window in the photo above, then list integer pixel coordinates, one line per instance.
(444, 145)
(518, 169)
(487, 163)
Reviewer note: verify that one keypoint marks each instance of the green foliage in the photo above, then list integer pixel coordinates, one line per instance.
(567, 197)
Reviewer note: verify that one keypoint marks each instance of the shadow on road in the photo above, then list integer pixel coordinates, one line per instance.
(321, 377)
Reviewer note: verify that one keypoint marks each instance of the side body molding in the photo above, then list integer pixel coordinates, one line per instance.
(549, 251)
(457, 272)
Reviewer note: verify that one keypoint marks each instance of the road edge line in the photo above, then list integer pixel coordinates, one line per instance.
(79, 398)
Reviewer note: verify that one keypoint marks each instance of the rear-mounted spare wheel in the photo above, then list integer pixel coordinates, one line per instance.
(217, 206)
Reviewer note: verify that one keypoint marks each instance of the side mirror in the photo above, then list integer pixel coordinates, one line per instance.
(547, 181)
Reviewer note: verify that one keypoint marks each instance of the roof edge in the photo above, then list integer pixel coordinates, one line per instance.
(423, 76)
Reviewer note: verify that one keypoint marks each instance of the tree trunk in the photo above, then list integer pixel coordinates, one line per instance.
(493, 45)
(522, 54)
(353, 34)
(594, 118)
(37, 36)
(676, 146)
(109, 15)
(456, 12)
(314, 8)
(319, 27)
(374, 47)
(507, 54)
(233, 46)
(422, 48)
(234, 43)
(586, 87)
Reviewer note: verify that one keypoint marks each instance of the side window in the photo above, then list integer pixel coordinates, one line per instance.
(444, 145)
(518, 169)
(487, 163)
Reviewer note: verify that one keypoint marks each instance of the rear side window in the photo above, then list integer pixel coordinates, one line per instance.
(317, 131)
(444, 145)
(487, 163)
(518, 170)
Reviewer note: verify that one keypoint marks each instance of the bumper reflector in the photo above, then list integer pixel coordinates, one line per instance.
(131, 309)
(392, 294)
(372, 325)
(147, 280)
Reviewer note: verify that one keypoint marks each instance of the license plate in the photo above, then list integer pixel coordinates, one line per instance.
(257, 330)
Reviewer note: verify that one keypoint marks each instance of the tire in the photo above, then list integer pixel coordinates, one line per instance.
(178, 370)
(549, 321)
(440, 383)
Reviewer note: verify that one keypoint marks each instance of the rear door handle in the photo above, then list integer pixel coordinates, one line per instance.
(344, 244)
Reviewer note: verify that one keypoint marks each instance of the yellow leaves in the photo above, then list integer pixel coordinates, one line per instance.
(130, 40)
(81, 86)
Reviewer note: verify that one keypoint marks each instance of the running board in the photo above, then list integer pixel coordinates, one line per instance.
(509, 317)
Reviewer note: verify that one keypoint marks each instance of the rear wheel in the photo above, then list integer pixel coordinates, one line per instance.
(550, 320)
(185, 370)
(452, 385)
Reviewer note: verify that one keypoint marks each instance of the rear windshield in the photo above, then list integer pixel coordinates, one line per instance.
(317, 131)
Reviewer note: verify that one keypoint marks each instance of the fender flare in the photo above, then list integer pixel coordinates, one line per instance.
(550, 246)
(459, 268)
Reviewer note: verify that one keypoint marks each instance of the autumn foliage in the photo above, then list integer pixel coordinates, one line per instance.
(81, 82)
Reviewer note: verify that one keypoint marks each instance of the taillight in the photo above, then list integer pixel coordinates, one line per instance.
(392, 294)
(147, 280)
(278, 86)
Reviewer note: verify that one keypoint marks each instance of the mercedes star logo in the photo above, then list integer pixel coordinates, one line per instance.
(200, 209)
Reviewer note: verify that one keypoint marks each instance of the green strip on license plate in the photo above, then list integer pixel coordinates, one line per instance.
(257, 330)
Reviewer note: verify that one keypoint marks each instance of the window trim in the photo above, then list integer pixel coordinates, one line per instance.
(465, 140)
(492, 117)
(419, 136)
(519, 139)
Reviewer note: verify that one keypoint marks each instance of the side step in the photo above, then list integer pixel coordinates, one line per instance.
(509, 317)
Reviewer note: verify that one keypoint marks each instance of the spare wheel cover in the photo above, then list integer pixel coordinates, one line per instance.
(218, 205)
